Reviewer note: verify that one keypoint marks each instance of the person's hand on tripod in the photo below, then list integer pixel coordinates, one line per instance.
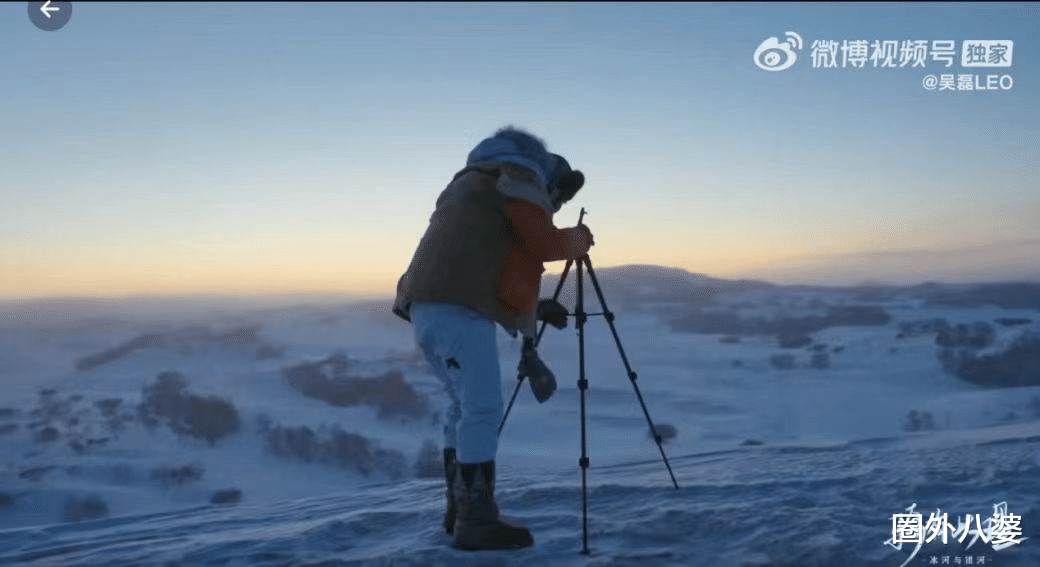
(581, 240)
(588, 232)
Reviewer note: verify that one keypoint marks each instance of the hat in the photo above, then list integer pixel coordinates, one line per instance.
(512, 145)
(563, 182)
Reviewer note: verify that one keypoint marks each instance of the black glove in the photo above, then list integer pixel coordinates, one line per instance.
(543, 383)
(550, 311)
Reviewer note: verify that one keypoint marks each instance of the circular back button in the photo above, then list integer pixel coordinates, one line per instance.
(50, 16)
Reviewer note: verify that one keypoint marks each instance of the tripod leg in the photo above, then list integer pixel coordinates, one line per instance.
(512, 400)
(583, 385)
(556, 295)
(628, 368)
(520, 377)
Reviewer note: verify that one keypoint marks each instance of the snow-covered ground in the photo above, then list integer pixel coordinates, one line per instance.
(803, 466)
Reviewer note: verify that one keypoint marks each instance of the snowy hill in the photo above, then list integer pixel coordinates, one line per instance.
(800, 421)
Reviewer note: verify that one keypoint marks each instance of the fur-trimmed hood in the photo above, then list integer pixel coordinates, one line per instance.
(548, 180)
(510, 145)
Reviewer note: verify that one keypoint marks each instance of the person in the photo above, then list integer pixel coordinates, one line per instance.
(480, 263)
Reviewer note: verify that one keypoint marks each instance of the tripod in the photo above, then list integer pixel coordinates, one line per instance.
(584, 263)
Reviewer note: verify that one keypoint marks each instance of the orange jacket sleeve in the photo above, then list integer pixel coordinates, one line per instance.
(544, 241)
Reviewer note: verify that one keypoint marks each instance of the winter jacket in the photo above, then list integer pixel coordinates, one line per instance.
(485, 245)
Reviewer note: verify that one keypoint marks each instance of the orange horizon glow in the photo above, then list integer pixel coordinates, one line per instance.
(322, 276)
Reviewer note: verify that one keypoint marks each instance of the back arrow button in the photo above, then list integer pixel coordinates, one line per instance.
(47, 8)
(50, 16)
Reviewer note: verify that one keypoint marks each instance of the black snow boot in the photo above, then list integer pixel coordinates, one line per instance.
(451, 470)
(478, 525)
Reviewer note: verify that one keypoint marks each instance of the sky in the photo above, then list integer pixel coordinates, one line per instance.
(179, 148)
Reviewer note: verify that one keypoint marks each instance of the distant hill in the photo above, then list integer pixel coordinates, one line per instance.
(1009, 295)
(649, 283)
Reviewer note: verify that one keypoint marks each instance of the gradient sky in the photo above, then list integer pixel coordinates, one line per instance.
(185, 148)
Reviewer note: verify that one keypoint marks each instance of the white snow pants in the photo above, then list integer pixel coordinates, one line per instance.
(461, 347)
